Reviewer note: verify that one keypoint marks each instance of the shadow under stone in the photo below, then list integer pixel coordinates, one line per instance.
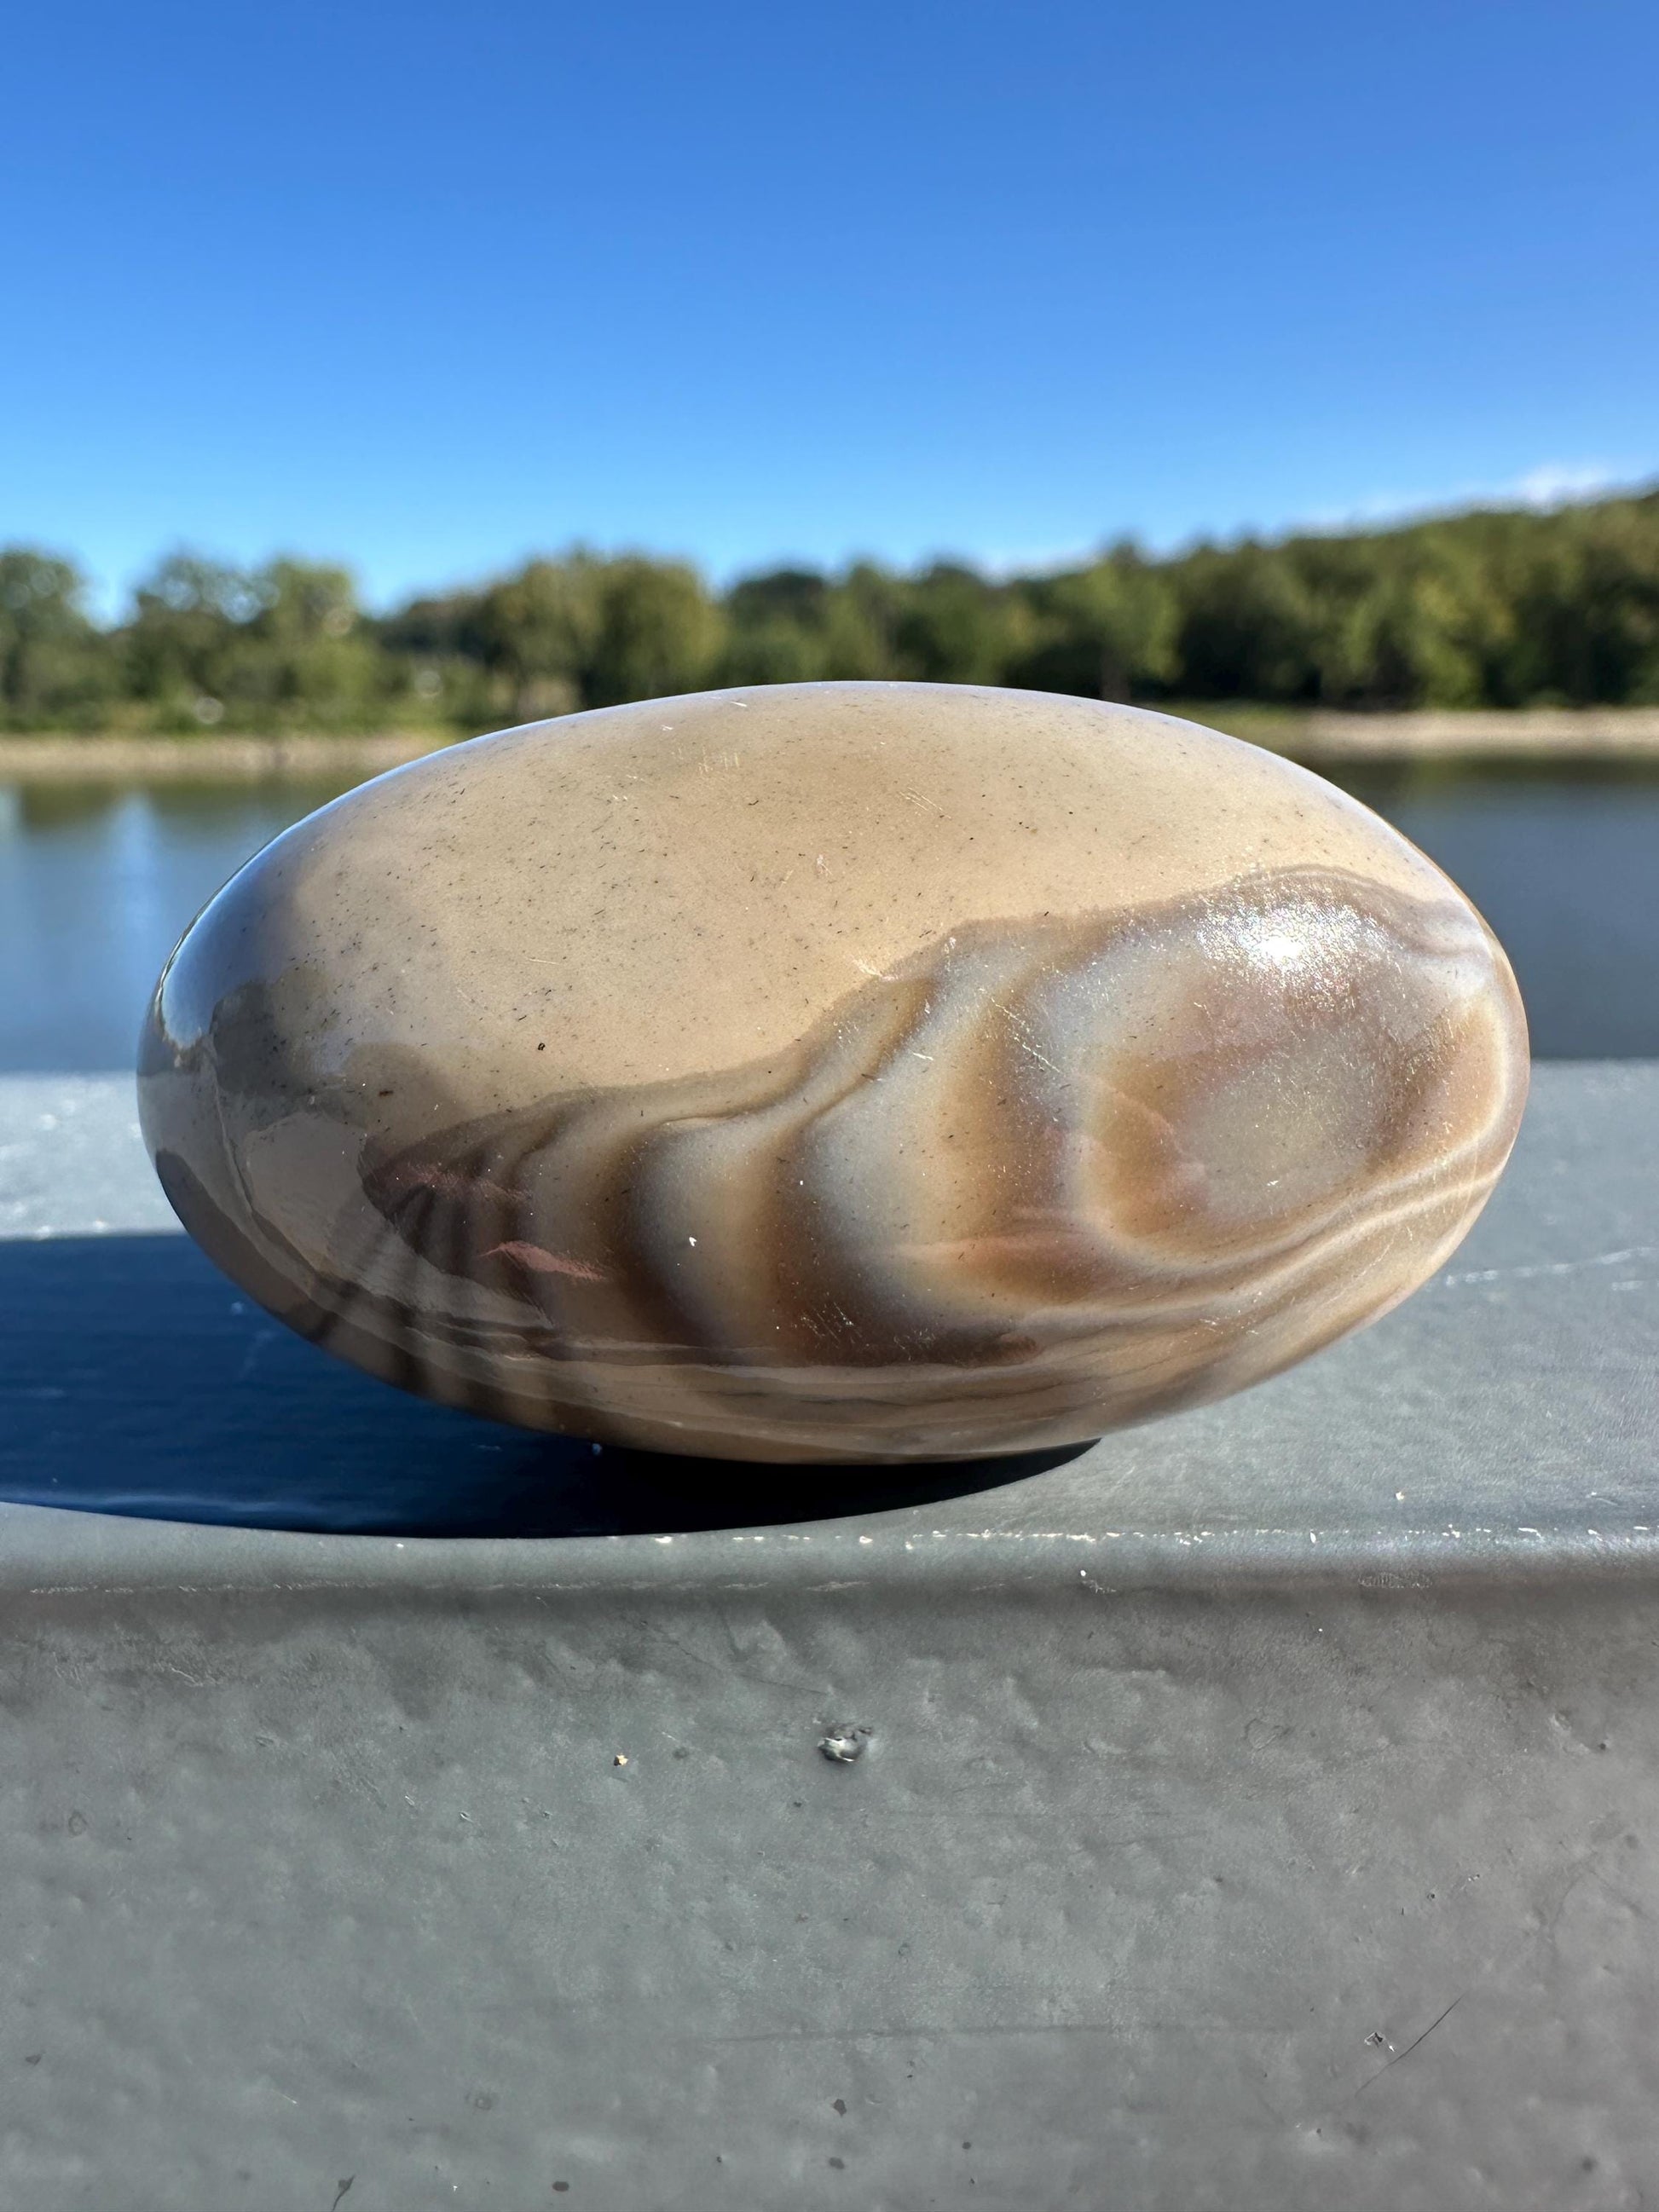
(135, 1378)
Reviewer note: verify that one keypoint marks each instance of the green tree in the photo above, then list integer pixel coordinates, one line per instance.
(176, 646)
(539, 630)
(1499, 608)
(778, 628)
(1106, 632)
(283, 645)
(303, 654)
(659, 633)
(54, 664)
(952, 626)
(1245, 626)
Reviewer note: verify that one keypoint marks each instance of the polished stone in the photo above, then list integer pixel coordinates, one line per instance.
(844, 1072)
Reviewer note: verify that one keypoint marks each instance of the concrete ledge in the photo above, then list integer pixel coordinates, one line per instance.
(1504, 1420)
(1258, 1810)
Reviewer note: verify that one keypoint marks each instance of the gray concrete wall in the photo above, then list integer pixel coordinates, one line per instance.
(1260, 1809)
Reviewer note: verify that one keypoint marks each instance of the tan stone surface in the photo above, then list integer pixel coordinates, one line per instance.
(845, 1070)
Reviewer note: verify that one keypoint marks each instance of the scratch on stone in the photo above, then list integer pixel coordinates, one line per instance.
(1037, 1055)
(1410, 2047)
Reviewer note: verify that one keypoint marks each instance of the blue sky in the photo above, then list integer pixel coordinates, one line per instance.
(428, 287)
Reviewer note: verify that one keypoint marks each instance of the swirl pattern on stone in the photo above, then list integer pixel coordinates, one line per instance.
(1060, 1153)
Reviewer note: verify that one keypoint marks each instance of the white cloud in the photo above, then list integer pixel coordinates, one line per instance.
(1554, 483)
(1551, 483)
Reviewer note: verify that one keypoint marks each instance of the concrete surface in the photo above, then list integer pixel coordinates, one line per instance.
(1258, 1810)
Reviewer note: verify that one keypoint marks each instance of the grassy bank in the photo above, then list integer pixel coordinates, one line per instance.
(1318, 740)
(59, 757)
(1534, 733)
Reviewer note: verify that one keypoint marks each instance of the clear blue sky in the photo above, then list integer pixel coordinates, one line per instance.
(428, 287)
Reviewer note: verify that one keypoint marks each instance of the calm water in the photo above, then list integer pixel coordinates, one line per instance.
(96, 884)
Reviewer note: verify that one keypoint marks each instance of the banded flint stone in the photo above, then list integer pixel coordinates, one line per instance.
(835, 1071)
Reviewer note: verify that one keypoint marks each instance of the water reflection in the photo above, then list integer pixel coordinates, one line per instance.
(1565, 866)
(97, 881)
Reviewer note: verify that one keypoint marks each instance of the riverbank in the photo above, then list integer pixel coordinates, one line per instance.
(1566, 735)
(53, 757)
(1318, 740)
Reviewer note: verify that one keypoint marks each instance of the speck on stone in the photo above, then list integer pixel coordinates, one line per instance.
(844, 1744)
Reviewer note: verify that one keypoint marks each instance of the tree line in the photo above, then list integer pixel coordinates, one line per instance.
(1493, 608)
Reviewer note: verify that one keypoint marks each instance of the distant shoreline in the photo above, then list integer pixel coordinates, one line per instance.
(55, 758)
(1629, 734)
(1320, 738)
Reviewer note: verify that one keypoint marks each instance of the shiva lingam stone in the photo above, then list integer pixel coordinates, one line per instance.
(843, 1072)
